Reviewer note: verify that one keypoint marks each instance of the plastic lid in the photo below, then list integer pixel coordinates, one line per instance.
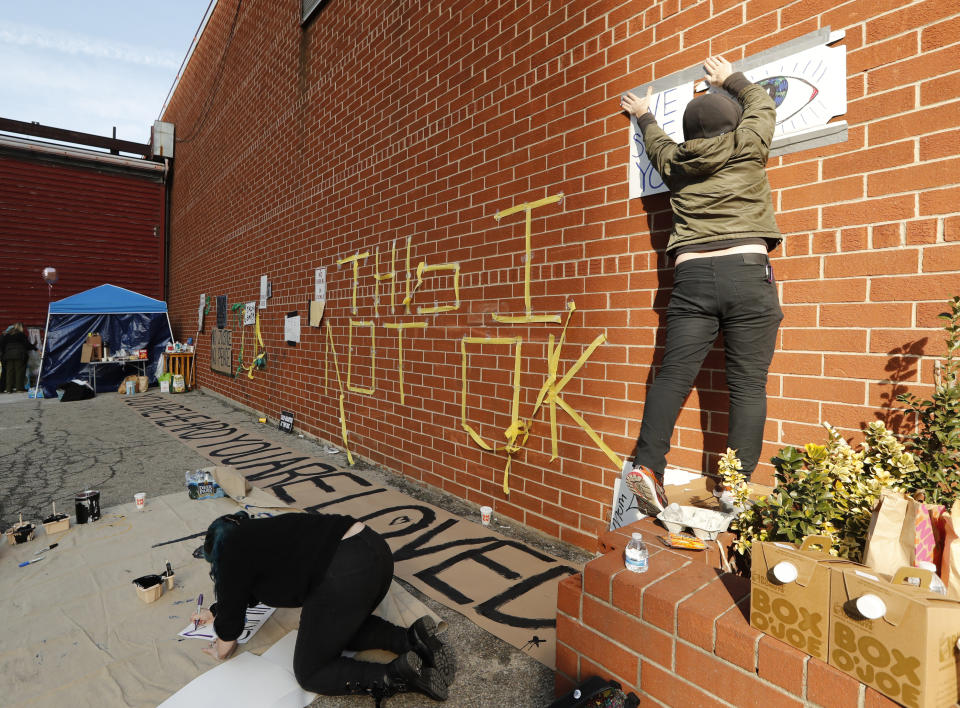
(636, 536)
(927, 565)
(785, 572)
(871, 606)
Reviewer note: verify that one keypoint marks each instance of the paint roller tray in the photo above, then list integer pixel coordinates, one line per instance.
(706, 524)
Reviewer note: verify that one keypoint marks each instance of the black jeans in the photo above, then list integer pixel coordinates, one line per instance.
(734, 295)
(15, 373)
(336, 616)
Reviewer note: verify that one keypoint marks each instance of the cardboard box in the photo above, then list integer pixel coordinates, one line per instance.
(796, 612)
(910, 653)
(231, 481)
(86, 354)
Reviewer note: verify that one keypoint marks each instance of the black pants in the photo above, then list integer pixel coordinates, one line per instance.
(336, 616)
(734, 295)
(15, 371)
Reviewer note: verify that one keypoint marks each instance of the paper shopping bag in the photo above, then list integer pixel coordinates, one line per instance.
(891, 537)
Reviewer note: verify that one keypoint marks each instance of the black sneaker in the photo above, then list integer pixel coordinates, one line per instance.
(430, 648)
(408, 673)
(650, 495)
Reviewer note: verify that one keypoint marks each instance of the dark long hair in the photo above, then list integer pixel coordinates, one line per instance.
(219, 533)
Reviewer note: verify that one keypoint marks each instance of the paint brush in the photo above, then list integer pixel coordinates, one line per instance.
(196, 622)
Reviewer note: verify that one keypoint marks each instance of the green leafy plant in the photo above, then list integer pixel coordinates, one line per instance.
(828, 490)
(935, 441)
(729, 467)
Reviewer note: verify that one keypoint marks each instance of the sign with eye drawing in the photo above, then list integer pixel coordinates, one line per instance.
(806, 78)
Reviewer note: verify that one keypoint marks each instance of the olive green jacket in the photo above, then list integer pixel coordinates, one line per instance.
(718, 186)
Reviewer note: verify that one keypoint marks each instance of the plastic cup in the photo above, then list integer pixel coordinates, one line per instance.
(485, 513)
(141, 499)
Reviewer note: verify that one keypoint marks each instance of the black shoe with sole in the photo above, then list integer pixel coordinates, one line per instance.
(430, 648)
(408, 673)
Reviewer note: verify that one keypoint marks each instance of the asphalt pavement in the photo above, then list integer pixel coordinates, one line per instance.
(50, 451)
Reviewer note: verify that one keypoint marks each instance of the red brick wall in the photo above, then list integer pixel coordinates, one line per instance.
(679, 635)
(384, 121)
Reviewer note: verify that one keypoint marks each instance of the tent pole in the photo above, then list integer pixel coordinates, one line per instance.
(46, 331)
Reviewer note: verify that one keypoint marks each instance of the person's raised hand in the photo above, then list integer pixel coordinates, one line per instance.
(718, 70)
(634, 105)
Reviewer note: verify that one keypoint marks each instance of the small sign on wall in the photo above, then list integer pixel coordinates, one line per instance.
(286, 422)
(221, 311)
(221, 351)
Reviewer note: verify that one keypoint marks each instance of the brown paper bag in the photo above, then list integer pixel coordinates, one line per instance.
(892, 533)
(123, 384)
(143, 383)
(903, 532)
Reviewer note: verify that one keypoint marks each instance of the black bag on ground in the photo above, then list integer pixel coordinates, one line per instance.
(596, 692)
(76, 391)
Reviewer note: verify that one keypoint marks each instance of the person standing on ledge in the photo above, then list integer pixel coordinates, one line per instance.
(723, 228)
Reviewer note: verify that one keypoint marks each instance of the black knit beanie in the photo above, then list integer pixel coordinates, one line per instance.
(710, 115)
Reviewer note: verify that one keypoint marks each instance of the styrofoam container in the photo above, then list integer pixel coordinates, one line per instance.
(706, 524)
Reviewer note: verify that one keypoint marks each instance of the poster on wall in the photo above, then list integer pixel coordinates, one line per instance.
(806, 78)
(250, 313)
(291, 328)
(221, 311)
(221, 351)
(264, 292)
(320, 284)
(203, 305)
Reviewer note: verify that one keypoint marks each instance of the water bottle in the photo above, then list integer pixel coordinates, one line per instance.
(936, 584)
(635, 555)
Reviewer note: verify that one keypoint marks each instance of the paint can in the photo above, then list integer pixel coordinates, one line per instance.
(88, 506)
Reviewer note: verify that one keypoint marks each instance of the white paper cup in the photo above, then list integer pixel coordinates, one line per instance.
(485, 513)
(141, 499)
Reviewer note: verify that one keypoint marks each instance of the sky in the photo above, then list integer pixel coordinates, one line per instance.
(95, 64)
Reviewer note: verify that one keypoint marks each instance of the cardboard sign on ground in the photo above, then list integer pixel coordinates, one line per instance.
(505, 586)
(910, 653)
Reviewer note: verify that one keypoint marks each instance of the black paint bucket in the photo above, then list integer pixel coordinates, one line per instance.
(88, 506)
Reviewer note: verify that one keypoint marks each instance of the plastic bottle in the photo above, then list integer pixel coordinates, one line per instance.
(936, 584)
(636, 557)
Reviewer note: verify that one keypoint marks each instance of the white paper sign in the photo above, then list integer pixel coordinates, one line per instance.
(203, 305)
(250, 313)
(256, 616)
(667, 107)
(625, 510)
(320, 284)
(263, 292)
(291, 328)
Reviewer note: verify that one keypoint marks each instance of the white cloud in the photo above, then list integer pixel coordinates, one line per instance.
(80, 45)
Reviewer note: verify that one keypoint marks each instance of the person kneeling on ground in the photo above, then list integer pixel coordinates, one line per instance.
(723, 227)
(338, 570)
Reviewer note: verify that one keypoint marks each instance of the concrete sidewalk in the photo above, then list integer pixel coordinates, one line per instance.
(50, 450)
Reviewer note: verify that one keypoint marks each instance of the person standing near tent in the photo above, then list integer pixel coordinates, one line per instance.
(15, 347)
(723, 228)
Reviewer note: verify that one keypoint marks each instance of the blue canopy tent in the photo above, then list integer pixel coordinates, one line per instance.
(123, 318)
